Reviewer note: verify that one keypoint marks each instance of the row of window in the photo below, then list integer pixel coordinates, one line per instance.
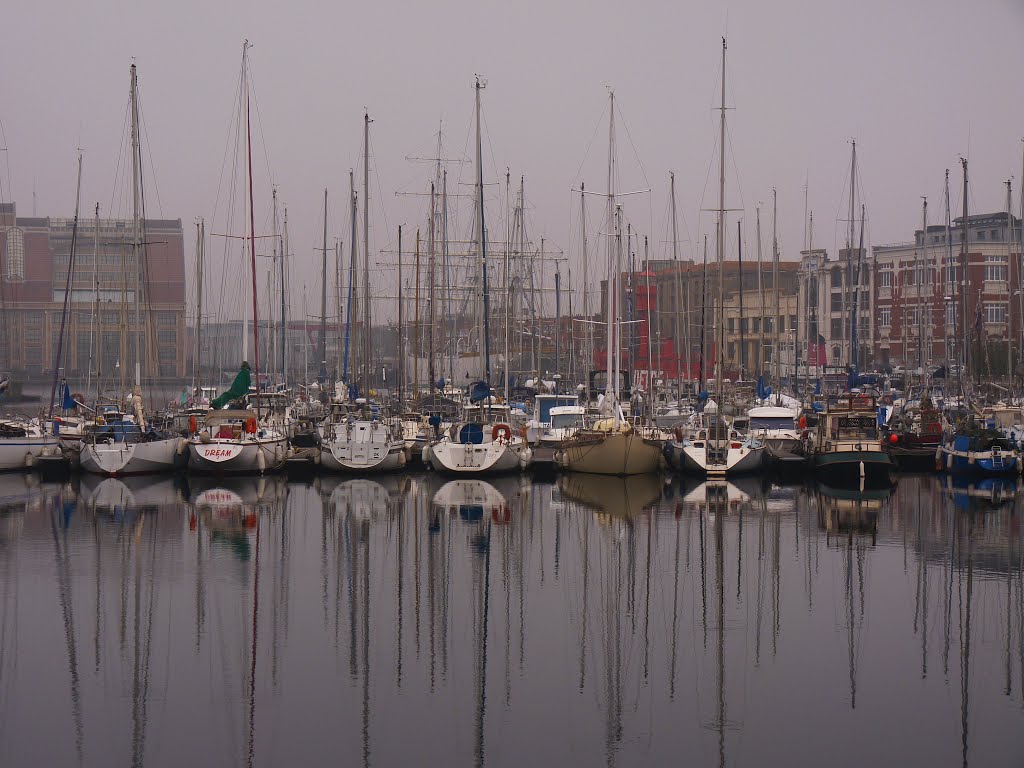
(992, 312)
(755, 324)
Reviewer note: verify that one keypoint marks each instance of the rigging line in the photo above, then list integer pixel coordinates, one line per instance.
(232, 130)
(149, 152)
(586, 152)
(117, 168)
(259, 125)
(636, 155)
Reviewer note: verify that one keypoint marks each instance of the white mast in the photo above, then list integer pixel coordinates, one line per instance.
(136, 238)
(777, 320)
(719, 351)
(680, 338)
(367, 330)
(611, 389)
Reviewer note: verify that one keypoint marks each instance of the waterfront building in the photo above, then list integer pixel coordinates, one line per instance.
(922, 317)
(826, 307)
(34, 257)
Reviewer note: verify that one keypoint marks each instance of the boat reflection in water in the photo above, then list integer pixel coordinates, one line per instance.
(982, 494)
(596, 620)
(618, 497)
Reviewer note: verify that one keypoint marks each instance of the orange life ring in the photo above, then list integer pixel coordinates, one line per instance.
(501, 432)
(501, 515)
(193, 425)
(250, 425)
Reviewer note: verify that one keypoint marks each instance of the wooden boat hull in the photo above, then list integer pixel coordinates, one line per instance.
(611, 453)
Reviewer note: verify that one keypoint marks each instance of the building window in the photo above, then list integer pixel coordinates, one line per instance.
(912, 317)
(837, 277)
(166, 318)
(732, 325)
(756, 321)
(981, 234)
(885, 317)
(837, 328)
(837, 302)
(995, 313)
(994, 235)
(167, 336)
(885, 278)
(995, 268)
(33, 335)
(15, 256)
(951, 316)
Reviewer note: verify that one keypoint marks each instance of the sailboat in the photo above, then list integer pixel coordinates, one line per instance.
(360, 440)
(715, 447)
(483, 442)
(120, 443)
(251, 436)
(611, 445)
(973, 448)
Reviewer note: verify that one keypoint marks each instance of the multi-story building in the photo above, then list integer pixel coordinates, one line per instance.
(923, 315)
(104, 321)
(650, 300)
(827, 299)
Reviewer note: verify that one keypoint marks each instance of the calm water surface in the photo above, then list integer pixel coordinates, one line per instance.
(587, 621)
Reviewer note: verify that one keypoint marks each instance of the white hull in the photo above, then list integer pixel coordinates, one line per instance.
(362, 446)
(610, 453)
(113, 459)
(22, 452)
(478, 458)
(232, 455)
(378, 458)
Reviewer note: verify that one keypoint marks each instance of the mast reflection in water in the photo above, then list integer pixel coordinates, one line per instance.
(415, 620)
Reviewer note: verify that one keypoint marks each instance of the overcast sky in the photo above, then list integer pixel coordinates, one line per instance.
(917, 83)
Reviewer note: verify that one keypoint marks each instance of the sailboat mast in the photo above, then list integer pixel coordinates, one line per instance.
(284, 302)
(322, 337)
(612, 297)
(401, 327)
(136, 238)
(588, 333)
(777, 320)
(432, 238)
(1009, 255)
(679, 339)
(275, 254)
(67, 291)
(953, 299)
(252, 232)
(852, 358)
(921, 282)
(721, 240)
(965, 258)
(486, 346)
(760, 292)
(367, 330)
(200, 267)
(94, 329)
(354, 203)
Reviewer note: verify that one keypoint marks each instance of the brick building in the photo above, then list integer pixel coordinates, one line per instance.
(920, 303)
(34, 257)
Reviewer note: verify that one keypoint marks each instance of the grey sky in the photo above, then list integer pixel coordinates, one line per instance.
(917, 83)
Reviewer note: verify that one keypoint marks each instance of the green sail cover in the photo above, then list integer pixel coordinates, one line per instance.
(239, 389)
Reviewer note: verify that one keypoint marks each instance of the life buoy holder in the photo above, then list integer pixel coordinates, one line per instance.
(193, 425)
(501, 515)
(250, 425)
(501, 432)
